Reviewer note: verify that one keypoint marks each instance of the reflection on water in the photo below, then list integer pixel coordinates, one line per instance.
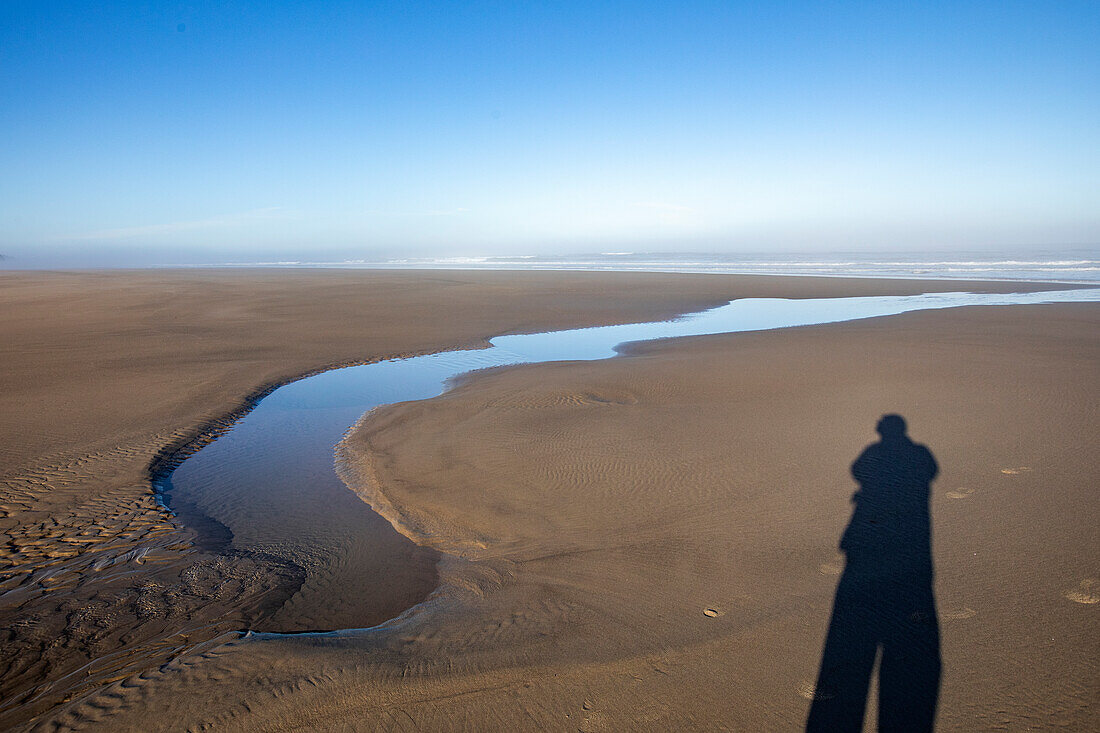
(268, 485)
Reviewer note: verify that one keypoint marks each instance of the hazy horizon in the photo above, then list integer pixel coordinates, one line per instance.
(161, 133)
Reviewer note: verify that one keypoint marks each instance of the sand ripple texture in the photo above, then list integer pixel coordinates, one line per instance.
(99, 369)
(97, 580)
(591, 514)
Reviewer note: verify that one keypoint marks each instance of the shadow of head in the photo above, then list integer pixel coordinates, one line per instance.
(891, 427)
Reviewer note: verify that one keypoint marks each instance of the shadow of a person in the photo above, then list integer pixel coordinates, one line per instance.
(884, 600)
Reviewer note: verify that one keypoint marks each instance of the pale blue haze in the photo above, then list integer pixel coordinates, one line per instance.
(151, 132)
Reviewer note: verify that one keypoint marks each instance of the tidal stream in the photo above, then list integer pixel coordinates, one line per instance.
(268, 487)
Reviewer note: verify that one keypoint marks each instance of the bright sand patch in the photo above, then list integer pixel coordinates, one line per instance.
(107, 369)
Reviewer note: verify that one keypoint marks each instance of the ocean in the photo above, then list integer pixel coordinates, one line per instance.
(1071, 266)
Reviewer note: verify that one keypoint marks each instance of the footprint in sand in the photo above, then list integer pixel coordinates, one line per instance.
(1087, 592)
(713, 612)
(1015, 471)
(809, 691)
(960, 493)
(834, 567)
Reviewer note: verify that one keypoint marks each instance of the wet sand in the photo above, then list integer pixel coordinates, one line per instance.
(652, 541)
(588, 514)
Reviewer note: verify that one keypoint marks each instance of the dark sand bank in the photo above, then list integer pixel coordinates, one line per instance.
(106, 371)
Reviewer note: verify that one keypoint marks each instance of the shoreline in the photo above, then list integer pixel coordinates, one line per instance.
(572, 271)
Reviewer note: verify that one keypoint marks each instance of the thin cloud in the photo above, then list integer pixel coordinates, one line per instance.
(446, 212)
(153, 230)
(662, 206)
(455, 211)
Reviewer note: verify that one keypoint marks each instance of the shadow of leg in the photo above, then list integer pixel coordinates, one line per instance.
(909, 676)
(840, 696)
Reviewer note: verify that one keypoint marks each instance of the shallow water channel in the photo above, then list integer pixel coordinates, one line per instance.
(268, 486)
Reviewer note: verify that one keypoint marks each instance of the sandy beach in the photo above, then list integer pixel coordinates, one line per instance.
(647, 542)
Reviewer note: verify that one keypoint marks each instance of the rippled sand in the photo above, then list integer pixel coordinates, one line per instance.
(657, 534)
(626, 570)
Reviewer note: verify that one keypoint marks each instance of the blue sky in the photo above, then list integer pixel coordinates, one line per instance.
(201, 132)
